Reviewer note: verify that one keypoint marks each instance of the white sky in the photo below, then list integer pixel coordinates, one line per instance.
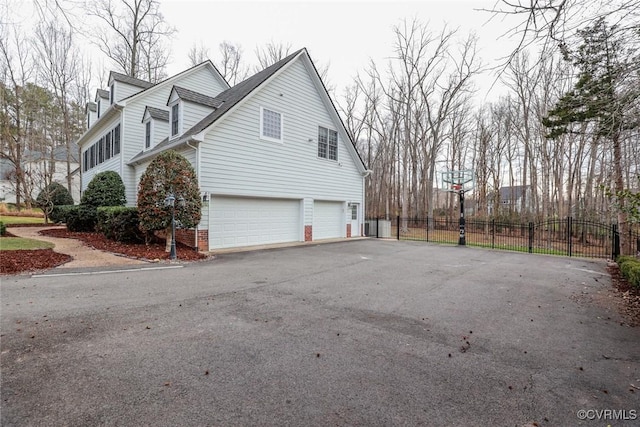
(345, 35)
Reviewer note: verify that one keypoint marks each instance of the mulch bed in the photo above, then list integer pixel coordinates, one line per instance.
(14, 262)
(152, 251)
(22, 261)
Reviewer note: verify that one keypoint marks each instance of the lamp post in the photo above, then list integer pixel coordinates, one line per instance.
(170, 200)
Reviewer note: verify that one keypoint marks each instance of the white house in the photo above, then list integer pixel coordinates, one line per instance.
(273, 158)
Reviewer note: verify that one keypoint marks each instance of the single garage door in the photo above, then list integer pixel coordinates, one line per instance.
(239, 221)
(328, 220)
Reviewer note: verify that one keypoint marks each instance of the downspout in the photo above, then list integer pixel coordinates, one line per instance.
(198, 176)
(365, 174)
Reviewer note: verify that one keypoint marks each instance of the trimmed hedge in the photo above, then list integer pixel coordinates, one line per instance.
(630, 269)
(119, 223)
(104, 189)
(58, 214)
(81, 218)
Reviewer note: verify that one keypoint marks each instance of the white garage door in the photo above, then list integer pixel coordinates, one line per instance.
(245, 222)
(328, 220)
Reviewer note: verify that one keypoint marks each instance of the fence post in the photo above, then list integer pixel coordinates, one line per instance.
(427, 229)
(493, 233)
(530, 237)
(615, 242)
(377, 228)
(398, 227)
(569, 229)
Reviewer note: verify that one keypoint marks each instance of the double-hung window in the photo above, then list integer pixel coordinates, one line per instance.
(270, 125)
(147, 134)
(327, 143)
(175, 119)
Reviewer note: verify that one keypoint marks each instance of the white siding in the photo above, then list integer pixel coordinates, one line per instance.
(124, 90)
(192, 114)
(200, 80)
(113, 164)
(236, 161)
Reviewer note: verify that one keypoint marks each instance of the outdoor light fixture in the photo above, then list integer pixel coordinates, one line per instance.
(170, 200)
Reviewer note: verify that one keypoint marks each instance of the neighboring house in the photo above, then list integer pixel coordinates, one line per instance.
(273, 159)
(39, 170)
(510, 198)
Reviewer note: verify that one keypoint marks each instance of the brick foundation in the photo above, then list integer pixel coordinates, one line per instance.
(308, 233)
(188, 237)
(348, 230)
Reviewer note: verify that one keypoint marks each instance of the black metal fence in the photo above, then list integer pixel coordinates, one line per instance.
(566, 237)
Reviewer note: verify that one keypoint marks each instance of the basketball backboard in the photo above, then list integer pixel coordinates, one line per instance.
(457, 180)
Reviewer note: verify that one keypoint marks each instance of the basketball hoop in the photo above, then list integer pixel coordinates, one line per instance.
(456, 187)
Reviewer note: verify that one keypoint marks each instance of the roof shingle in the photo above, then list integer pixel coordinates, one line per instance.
(130, 80)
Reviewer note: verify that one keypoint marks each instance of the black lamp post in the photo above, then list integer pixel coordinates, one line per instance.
(170, 200)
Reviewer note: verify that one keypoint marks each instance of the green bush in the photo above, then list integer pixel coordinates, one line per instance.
(119, 223)
(3, 229)
(630, 269)
(54, 194)
(58, 214)
(81, 218)
(105, 189)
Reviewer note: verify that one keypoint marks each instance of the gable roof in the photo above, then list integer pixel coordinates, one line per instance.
(225, 101)
(119, 77)
(512, 193)
(156, 113)
(116, 107)
(232, 96)
(92, 106)
(195, 97)
(102, 93)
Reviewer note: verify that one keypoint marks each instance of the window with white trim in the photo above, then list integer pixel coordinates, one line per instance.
(270, 125)
(111, 93)
(175, 119)
(147, 134)
(99, 104)
(327, 143)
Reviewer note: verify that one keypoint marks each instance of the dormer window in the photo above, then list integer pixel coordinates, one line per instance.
(111, 93)
(147, 135)
(99, 108)
(175, 119)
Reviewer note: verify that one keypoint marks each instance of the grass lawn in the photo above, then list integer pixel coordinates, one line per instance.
(9, 219)
(17, 243)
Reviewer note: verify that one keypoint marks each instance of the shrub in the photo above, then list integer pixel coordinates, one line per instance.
(54, 194)
(58, 214)
(105, 189)
(168, 173)
(81, 218)
(3, 229)
(630, 269)
(119, 223)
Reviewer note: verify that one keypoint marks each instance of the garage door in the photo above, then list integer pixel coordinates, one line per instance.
(245, 222)
(328, 220)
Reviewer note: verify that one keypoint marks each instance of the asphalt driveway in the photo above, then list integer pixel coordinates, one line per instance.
(365, 332)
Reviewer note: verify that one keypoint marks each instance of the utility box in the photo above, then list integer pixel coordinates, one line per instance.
(378, 228)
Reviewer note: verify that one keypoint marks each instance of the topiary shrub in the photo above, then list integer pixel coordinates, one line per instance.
(119, 223)
(81, 218)
(58, 214)
(168, 173)
(53, 195)
(105, 189)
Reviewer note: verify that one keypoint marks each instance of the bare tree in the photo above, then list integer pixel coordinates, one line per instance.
(133, 35)
(59, 65)
(16, 69)
(231, 63)
(198, 53)
(271, 53)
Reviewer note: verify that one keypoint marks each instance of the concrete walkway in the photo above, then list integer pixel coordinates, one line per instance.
(83, 256)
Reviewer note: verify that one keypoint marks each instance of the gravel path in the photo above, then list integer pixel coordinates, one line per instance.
(83, 256)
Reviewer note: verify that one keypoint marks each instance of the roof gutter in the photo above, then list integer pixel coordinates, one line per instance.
(111, 112)
(172, 145)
